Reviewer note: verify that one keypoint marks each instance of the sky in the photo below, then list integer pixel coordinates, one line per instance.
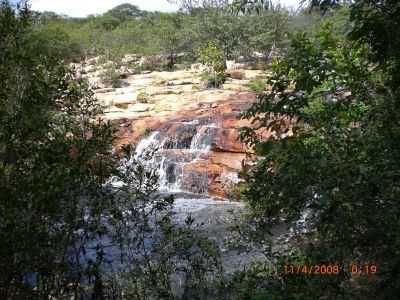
(82, 8)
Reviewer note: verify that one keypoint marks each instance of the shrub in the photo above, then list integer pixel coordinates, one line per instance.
(214, 58)
(215, 80)
(111, 77)
(143, 97)
(257, 85)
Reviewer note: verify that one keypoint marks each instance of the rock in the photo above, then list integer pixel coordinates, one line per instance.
(227, 140)
(236, 74)
(200, 174)
(122, 105)
(152, 61)
(179, 82)
(125, 72)
(232, 161)
(142, 97)
(123, 100)
(139, 107)
(90, 69)
(232, 65)
(105, 90)
(130, 58)
(93, 61)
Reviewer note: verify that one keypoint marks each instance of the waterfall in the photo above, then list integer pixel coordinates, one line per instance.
(179, 157)
(146, 144)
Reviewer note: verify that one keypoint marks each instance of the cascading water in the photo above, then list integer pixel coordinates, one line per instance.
(174, 153)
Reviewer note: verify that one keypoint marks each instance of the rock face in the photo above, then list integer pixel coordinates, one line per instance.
(198, 128)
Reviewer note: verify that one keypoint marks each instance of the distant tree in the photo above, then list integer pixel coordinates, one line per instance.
(125, 12)
(171, 36)
(250, 6)
(269, 32)
(52, 41)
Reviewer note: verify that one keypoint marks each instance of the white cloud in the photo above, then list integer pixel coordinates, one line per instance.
(82, 8)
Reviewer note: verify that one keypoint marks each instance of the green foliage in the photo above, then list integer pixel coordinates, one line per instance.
(250, 6)
(377, 24)
(126, 30)
(55, 154)
(268, 41)
(59, 214)
(110, 76)
(125, 12)
(323, 5)
(52, 41)
(334, 115)
(212, 57)
(214, 80)
(172, 41)
(257, 85)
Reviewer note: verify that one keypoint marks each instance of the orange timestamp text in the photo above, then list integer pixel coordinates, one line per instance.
(331, 269)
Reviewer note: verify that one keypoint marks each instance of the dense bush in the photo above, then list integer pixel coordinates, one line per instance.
(59, 213)
(334, 159)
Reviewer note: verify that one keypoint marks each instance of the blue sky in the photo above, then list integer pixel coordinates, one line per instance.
(82, 8)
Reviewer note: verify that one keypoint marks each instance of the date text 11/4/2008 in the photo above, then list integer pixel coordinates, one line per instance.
(334, 269)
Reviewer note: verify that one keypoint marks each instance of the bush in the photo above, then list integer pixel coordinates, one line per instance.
(143, 97)
(257, 85)
(213, 80)
(214, 58)
(111, 77)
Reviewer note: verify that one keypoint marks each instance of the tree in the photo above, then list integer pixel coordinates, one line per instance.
(171, 36)
(334, 112)
(55, 155)
(269, 32)
(125, 12)
(250, 6)
(60, 215)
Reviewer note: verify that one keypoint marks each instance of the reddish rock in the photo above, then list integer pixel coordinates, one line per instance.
(227, 140)
(231, 161)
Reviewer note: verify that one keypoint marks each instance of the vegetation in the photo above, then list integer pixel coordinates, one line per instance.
(329, 174)
(213, 58)
(257, 85)
(126, 29)
(55, 156)
(60, 216)
(337, 160)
